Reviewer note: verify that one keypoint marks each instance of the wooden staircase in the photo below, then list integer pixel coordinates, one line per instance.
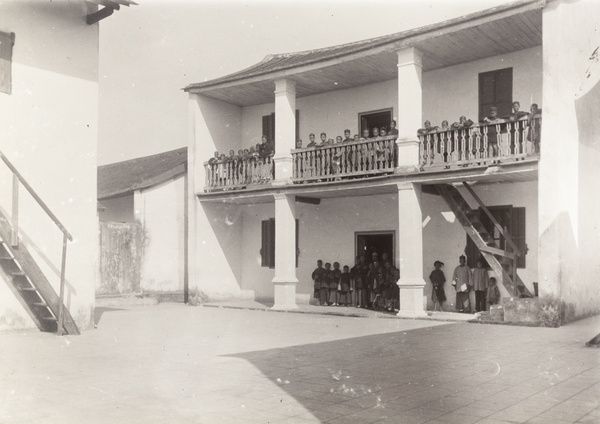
(502, 262)
(30, 286)
(22, 274)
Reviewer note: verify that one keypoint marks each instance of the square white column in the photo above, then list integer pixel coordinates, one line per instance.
(410, 104)
(410, 248)
(285, 253)
(285, 129)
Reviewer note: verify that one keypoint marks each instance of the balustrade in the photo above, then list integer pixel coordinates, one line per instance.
(344, 160)
(480, 144)
(231, 174)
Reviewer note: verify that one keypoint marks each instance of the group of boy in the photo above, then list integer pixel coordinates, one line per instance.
(464, 281)
(249, 157)
(367, 285)
(533, 135)
(367, 134)
(261, 150)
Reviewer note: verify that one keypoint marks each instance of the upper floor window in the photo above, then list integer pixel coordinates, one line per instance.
(495, 89)
(7, 41)
(268, 126)
(375, 119)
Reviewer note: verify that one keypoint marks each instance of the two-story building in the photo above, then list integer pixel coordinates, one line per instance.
(514, 190)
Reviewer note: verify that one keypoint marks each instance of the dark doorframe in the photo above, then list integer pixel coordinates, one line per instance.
(367, 242)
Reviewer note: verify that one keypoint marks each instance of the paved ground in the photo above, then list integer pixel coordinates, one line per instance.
(172, 363)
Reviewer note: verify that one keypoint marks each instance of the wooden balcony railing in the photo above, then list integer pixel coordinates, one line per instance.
(237, 173)
(337, 161)
(481, 143)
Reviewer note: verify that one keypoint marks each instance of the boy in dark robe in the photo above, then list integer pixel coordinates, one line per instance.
(347, 137)
(311, 141)
(317, 277)
(492, 133)
(324, 291)
(345, 287)
(334, 282)
(437, 278)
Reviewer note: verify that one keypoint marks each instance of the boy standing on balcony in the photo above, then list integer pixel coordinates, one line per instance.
(393, 130)
(492, 133)
(365, 134)
(347, 137)
(311, 141)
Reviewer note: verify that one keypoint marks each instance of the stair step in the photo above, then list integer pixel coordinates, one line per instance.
(29, 289)
(49, 319)
(17, 273)
(6, 258)
(40, 304)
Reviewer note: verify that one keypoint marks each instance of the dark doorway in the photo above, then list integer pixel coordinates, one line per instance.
(375, 118)
(378, 242)
(495, 89)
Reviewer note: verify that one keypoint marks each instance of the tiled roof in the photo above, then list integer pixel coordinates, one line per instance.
(286, 61)
(117, 179)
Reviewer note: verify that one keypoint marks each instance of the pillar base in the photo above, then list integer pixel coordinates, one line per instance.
(284, 295)
(411, 298)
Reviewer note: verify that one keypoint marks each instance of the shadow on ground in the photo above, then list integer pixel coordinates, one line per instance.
(418, 375)
(100, 310)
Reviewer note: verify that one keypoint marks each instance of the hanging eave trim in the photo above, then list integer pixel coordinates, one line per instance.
(109, 7)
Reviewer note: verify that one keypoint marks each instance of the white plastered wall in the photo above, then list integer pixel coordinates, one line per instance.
(568, 222)
(161, 213)
(49, 132)
(214, 248)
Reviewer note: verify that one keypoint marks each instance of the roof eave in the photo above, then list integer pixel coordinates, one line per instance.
(404, 39)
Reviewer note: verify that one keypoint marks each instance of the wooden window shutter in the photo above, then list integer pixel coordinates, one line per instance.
(267, 249)
(495, 89)
(504, 79)
(517, 231)
(7, 41)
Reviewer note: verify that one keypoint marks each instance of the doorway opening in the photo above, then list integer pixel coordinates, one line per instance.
(375, 118)
(379, 242)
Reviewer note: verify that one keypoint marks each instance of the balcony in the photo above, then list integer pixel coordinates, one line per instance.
(492, 143)
(439, 149)
(238, 173)
(354, 159)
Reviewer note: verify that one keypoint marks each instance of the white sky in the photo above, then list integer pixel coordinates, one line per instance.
(148, 53)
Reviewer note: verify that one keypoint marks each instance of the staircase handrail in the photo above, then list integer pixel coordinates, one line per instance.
(17, 177)
(506, 236)
(36, 197)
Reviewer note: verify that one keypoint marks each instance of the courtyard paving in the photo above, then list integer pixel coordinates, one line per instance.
(171, 363)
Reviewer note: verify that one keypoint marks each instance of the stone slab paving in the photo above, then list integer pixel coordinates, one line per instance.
(172, 363)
